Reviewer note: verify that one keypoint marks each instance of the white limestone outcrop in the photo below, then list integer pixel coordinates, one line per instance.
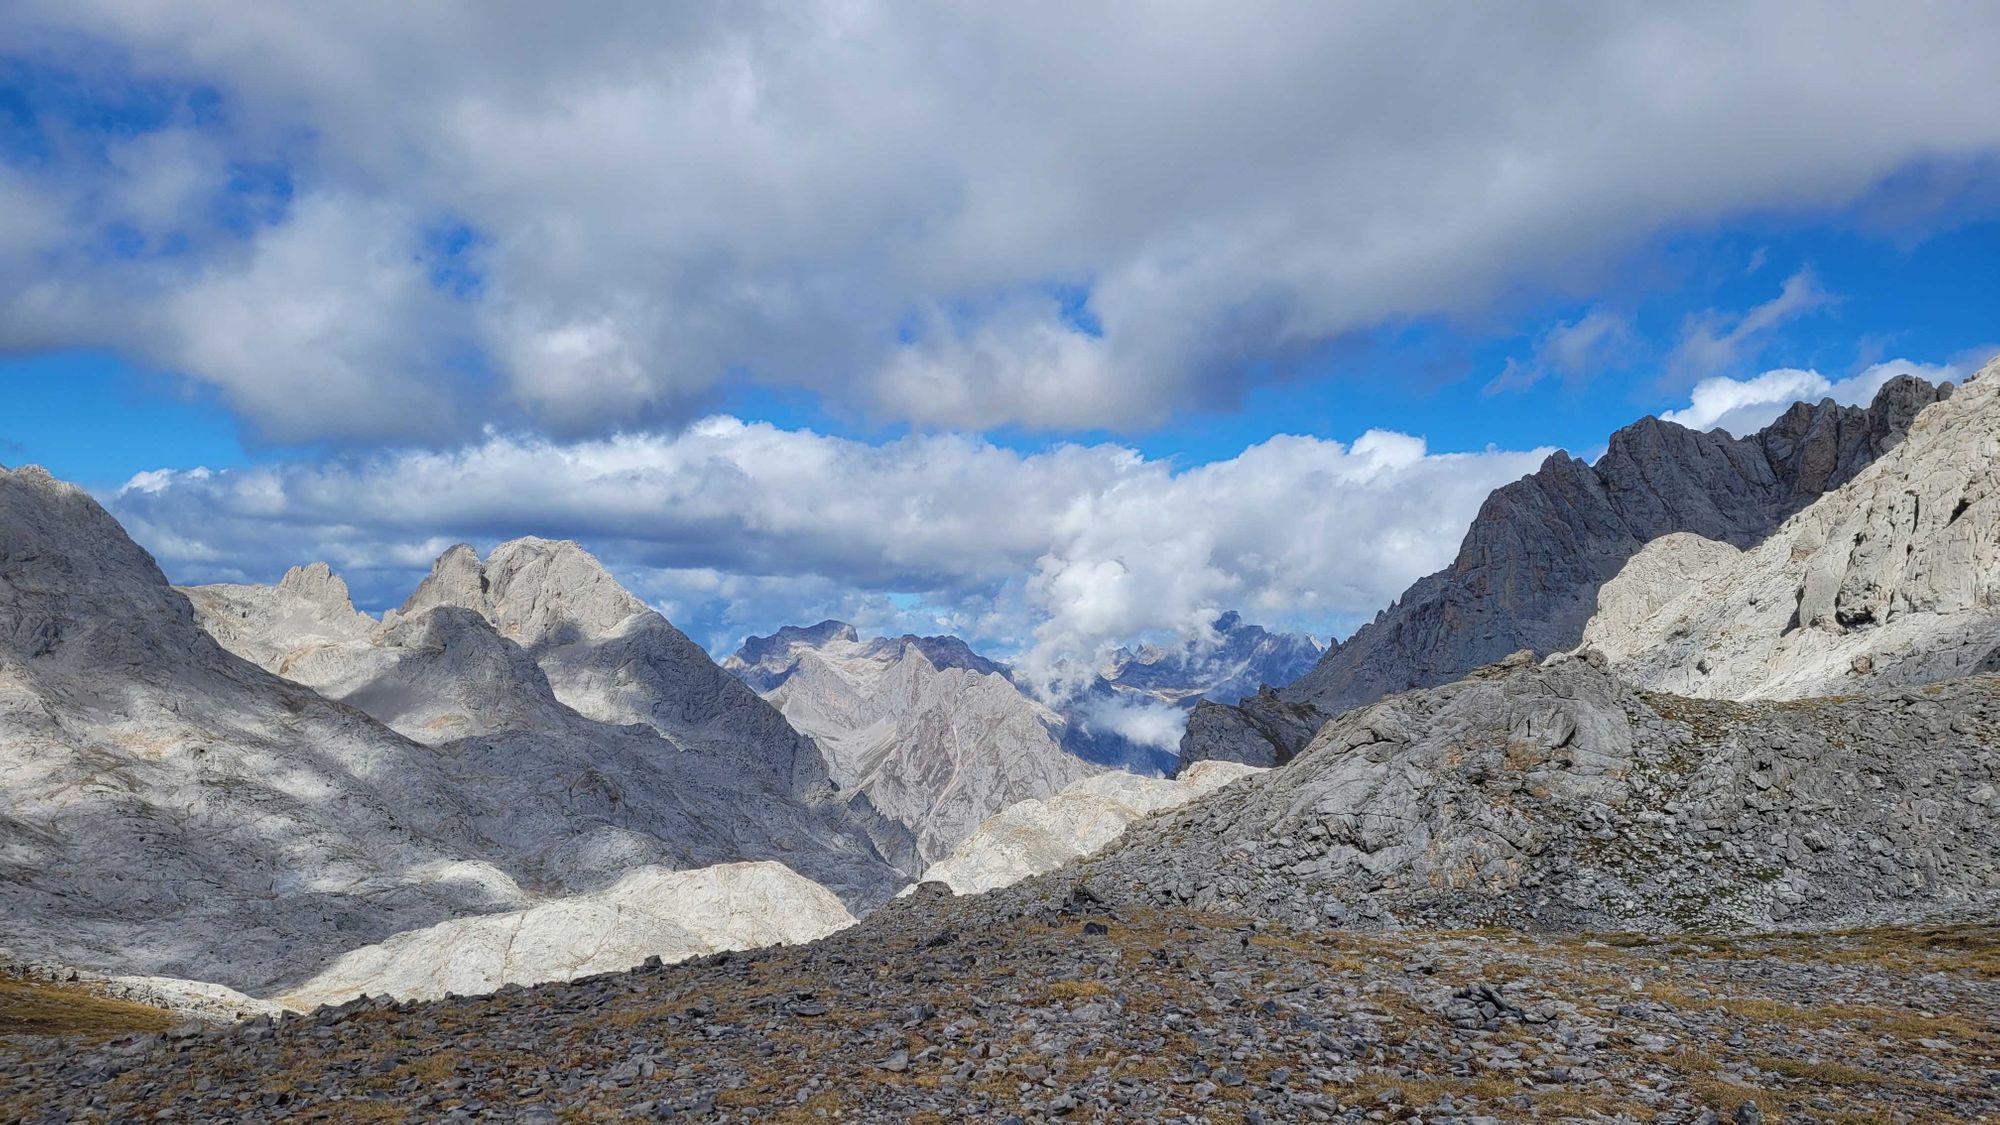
(1891, 579)
(1037, 836)
(650, 912)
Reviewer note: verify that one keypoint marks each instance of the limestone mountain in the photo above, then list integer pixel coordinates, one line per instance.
(1233, 660)
(1530, 566)
(938, 737)
(174, 809)
(1557, 796)
(1893, 578)
(583, 798)
(162, 792)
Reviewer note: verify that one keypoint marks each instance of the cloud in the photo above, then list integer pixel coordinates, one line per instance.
(1715, 343)
(1573, 351)
(871, 200)
(737, 526)
(1744, 406)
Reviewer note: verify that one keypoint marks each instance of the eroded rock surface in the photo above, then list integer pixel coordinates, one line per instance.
(1558, 796)
(938, 737)
(1894, 578)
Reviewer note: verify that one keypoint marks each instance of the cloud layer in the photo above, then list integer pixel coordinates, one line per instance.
(378, 221)
(735, 526)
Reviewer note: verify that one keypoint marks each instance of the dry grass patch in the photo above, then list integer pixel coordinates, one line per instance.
(38, 1008)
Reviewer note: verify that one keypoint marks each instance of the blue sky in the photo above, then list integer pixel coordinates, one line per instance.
(999, 343)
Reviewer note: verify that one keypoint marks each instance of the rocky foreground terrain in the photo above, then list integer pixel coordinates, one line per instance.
(1032, 1005)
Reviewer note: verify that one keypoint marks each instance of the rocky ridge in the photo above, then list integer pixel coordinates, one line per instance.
(937, 737)
(1893, 579)
(161, 791)
(1233, 661)
(1557, 796)
(1529, 569)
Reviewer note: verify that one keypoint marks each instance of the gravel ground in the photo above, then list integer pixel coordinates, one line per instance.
(1017, 1007)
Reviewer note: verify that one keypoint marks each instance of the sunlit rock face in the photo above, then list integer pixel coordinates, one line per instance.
(1529, 569)
(1894, 578)
(938, 737)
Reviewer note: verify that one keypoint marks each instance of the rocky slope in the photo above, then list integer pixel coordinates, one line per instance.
(1037, 836)
(649, 912)
(157, 791)
(171, 809)
(935, 735)
(1894, 578)
(1529, 569)
(1558, 796)
(946, 1009)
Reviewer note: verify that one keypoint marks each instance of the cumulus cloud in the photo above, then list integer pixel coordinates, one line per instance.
(870, 198)
(734, 526)
(1744, 406)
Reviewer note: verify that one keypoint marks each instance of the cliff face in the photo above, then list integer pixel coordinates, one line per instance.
(937, 737)
(1529, 569)
(1893, 578)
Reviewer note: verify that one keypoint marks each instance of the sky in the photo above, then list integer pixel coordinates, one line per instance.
(1055, 326)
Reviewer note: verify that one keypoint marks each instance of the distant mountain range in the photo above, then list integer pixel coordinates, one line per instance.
(940, 737)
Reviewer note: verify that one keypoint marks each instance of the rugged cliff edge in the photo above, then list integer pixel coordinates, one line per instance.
(1529, 569)
(1892, 579)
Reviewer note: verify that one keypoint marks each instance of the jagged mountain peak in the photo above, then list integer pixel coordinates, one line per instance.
(1891, 578)
(1528, 570)
(317, 583)
(538, 592)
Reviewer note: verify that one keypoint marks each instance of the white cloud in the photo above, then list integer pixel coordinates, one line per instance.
(737, 526)
(665, 194)
(1744, 406)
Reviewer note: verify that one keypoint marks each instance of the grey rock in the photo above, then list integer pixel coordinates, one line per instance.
(1892, 579)
(1529, 569)
(937, 737)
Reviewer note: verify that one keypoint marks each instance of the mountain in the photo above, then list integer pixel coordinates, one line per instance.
(936, 736)
(583, 799)
(171, 809)
(1233, 661)
(1556, 796)
(1530, 566)
(1894, 578)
